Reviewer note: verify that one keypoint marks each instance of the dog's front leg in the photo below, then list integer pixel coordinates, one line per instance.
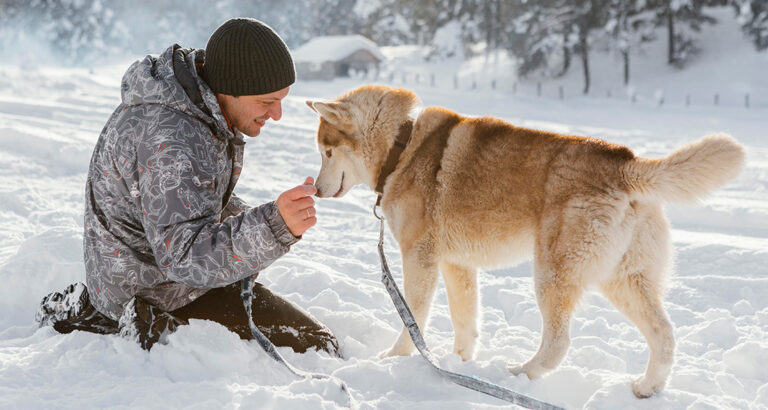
(461, 286)
(419, 282)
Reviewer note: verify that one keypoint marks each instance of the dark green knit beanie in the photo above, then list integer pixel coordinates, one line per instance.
(246, 57)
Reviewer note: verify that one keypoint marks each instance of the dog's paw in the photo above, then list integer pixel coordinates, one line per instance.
(643, 388)
(465, 354)
(515, 368)
(464, 345)
(394, 351)
(533, 371)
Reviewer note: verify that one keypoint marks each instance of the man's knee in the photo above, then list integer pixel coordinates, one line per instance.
(286, 324)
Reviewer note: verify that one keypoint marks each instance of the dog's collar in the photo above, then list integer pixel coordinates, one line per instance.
(403, 136)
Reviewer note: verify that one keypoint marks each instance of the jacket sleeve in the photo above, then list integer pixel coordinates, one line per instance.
(181, 214)
(235, 206)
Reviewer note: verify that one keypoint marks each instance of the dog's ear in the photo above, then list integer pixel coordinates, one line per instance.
(309, 104)
(337, 113)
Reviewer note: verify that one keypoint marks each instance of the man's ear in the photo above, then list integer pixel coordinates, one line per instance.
(337, 113)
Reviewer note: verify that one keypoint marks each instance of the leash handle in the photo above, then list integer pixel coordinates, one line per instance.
(246, 293)
(409, 321)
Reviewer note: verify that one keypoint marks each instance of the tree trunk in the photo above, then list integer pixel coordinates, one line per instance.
(498, 24)
(566, 61)
(584, 58)
(671, 34)
(566, 56)
(625, 54)
(489, 30)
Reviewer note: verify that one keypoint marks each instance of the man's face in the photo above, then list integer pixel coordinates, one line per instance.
(248, 113)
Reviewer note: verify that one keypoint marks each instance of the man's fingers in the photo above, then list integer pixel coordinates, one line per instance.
(310, 189)
(298, 208)
(300, 192)
(307, 213)
(303, 203)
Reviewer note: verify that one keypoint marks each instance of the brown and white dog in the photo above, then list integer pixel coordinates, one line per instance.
(468, 193)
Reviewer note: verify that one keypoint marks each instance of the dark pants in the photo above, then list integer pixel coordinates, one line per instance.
(282, 322)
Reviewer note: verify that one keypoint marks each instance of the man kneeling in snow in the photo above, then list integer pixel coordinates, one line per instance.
(166, 239)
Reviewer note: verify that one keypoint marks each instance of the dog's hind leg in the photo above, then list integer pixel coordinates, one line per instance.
(637, 292)
(419, 282)
(577, 243)
(635, 298)
(557, 294)
(461, 286)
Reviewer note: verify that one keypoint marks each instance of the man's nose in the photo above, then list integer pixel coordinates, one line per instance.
(276, 111)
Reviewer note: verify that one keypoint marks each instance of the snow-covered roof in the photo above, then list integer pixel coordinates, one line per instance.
(333, 48)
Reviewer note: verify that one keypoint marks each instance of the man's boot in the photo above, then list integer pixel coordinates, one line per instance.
(72, 310)
(146, 324)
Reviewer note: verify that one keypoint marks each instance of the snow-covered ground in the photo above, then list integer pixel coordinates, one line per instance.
(50, 119)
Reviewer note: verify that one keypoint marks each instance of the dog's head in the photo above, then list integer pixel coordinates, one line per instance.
(355, 133)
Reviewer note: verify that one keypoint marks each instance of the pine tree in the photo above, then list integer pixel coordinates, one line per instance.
(387, 22)
(73, 28)
(589, 15)
(629, 25)
(540, 32)
(753, 17)
(688, 13)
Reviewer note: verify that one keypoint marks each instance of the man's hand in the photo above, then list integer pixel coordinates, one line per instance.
(297, 207)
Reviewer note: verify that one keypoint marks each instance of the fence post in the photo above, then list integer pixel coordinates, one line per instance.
(392, 77)
(474, 82)
(456, 81)
(560, 92)
(538, 89)
(404, 77)
(514, 87)
(746, 100)
(687, 100)
(608, 93)
(418, 78)
(493, 84)
(717, 99)
(432, 79)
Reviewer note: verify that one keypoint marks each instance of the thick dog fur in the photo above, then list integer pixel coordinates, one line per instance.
(480, 192)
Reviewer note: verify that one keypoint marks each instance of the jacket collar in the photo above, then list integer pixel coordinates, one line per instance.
(186, 63)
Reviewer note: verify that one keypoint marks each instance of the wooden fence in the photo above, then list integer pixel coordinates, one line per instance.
(552, 90)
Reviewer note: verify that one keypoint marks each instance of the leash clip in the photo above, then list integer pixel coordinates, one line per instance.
(378, 205)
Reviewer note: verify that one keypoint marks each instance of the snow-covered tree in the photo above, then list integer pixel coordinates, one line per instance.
(588, 15)
(73, 28)
(541, 35)
(384, 22)
(677, 16)
(629, 26)
(547, 26)
(753, 17)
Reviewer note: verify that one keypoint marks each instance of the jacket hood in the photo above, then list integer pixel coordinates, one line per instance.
(171, 80)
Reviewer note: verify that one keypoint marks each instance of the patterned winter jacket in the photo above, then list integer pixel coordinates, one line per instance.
(161, 221)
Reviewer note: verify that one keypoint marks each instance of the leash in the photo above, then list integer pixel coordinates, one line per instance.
(470, 382)
(246, 293)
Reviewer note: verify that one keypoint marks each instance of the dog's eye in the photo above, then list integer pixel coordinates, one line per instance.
(328, 153)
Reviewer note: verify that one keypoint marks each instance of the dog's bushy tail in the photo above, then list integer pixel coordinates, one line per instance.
(689, 173)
